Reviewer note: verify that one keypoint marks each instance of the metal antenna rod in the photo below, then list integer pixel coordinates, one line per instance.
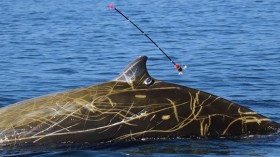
(145, 35)
(177, 66)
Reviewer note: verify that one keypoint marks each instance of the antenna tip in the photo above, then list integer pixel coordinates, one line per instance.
(111, 6)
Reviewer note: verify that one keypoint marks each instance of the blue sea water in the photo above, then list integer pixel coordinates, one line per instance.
(232, 49)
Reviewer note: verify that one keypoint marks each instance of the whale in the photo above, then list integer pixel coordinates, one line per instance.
(133, 106)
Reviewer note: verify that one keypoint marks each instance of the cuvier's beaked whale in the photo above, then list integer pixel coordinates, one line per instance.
(133, 106)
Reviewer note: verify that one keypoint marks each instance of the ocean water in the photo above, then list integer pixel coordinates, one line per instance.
(232, 49)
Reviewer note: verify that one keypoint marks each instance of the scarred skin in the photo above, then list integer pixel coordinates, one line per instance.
(130, 107)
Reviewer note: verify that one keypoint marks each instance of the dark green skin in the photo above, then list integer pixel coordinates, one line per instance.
(127, 109)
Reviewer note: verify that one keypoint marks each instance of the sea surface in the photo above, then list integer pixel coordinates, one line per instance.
(231, 48)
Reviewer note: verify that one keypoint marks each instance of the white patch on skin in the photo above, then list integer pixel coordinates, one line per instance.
(165, 117)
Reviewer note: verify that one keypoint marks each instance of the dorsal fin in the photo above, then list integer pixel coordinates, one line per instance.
(135, 71)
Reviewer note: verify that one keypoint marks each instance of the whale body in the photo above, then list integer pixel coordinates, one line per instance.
(133, 106)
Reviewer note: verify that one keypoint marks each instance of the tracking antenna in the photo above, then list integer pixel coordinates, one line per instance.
(179, 68)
